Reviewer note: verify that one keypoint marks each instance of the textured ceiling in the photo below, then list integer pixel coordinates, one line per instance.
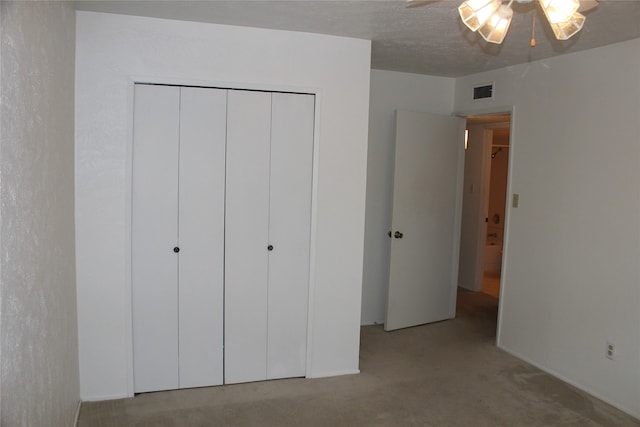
(429, 39)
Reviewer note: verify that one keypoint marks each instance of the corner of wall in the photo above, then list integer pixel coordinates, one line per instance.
(39, 359)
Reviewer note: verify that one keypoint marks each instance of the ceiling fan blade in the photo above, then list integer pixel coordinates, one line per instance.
(418, 3)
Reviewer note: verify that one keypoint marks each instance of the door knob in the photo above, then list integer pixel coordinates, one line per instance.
(176, 249)
(270, 247)
(398, 235)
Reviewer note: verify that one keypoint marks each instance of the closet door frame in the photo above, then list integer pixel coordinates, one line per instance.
(128, 181)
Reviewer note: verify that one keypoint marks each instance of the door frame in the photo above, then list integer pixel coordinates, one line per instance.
(508, 208)
(128, 182)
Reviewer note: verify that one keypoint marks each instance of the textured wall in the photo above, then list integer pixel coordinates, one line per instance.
(39, 361)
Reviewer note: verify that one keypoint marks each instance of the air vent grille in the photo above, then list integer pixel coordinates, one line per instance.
(482, 92)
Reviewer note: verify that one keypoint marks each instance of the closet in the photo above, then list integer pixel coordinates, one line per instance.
(221, 216)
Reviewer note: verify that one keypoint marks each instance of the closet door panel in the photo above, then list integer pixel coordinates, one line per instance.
(201, 235)
(289, 233)
(246, 239)
(154, 234)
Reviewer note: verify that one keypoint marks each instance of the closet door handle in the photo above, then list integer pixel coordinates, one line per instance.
(270, 247)
(176, 249)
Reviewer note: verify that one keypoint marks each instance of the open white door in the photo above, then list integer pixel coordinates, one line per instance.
(425, 234)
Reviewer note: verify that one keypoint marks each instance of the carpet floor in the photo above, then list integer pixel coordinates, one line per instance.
(443, 374)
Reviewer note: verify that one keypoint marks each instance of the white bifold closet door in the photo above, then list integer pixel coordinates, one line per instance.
(268, 218)
(221, 219)
(178, 236)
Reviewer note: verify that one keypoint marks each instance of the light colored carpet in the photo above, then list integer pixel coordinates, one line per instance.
(443, 374)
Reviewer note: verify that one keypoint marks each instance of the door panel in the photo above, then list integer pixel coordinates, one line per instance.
(289, 233)
(426, 210)
(154, 234)
(246, 240)
(201, 225)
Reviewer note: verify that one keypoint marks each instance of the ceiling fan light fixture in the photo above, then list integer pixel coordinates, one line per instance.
(492, 19)
(559, 11)
(496, 27)
(586, 5)
(474, 13)
(564, 30)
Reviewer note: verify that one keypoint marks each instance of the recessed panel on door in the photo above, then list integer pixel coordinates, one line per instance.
(246, 238)
(154, 235)
(201, 235)
(289, 233)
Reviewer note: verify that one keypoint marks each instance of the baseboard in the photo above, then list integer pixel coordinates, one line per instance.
(371, 323)
(334, 373)
(106, 397)
(75, 419)
(571, 382)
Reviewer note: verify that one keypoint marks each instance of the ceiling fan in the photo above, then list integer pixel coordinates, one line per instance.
(492, 18)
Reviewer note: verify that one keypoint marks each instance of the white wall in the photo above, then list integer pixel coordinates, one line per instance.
(572, 278)
(111, 51)
(39, 359)
(390, 91)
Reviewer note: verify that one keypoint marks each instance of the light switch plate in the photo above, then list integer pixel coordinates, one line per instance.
(516, 200)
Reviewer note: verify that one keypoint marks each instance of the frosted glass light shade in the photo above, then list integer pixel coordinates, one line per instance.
(496, 27)
(474, 13)
(558, 11)
(565, 30)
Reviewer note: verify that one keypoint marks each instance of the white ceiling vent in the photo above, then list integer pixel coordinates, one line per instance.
(483, 91)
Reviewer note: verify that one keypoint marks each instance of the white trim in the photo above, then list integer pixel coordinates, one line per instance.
(75, 419)
(507, 222)
(457, 224)
(488, 111)
(221, 84)
(570, 382)
(128, 204)
(133, 80)
(105, 397)
(314, 234)
(335, 373)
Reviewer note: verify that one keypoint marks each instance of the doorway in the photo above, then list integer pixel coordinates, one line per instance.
(484, 206)
(429, 222)
(493, 249)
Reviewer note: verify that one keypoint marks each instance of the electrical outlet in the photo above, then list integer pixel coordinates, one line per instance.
(611, 351)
